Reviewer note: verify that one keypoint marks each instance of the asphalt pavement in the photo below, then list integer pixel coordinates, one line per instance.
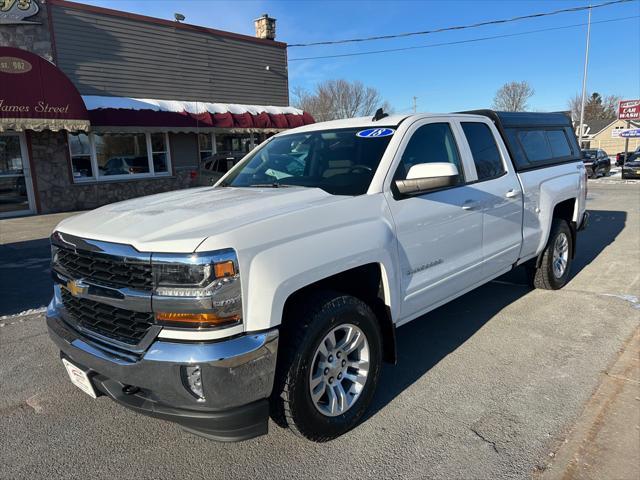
(487, 387)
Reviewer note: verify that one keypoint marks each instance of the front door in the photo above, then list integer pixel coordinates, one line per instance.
(15, 178)
(439, 233)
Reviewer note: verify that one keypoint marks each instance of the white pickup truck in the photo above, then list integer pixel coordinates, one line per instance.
(277, 291)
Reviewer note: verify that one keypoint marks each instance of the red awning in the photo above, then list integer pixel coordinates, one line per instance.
(187, 115)
(36, 95)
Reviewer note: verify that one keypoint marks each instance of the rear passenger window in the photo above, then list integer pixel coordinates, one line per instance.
(433, 142)
(485, 152)
(559, 144)
(535, 145)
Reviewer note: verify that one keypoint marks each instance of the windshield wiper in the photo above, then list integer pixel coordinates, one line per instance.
(269, 185)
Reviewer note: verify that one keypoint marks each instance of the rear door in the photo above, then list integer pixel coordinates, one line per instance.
(501, 196)
(439, 232)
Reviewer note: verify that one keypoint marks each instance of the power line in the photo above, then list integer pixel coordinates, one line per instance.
(461, 27)
(459, 42)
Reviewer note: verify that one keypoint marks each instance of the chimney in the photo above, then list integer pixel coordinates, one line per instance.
(265, 27)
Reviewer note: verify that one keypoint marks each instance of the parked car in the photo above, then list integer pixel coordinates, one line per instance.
(279, 289)
(125, 165)
(631, 168)
(620, 157)
(212, 168)
(597, 162)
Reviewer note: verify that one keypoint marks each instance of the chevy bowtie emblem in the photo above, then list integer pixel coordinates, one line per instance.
(77, 287)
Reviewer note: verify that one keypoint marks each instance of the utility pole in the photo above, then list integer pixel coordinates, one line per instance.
(415, 104)
(584, 80)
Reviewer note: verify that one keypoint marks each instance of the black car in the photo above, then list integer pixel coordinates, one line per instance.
(631, 168)
(597, 162)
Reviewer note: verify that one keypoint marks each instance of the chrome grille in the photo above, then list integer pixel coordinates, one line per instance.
(107, 270)
(119, 324)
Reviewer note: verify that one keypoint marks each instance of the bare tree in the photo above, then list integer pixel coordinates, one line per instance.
(513, 97)
(596, 107)
(334, 99)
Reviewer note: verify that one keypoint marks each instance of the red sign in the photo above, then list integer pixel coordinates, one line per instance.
(629, 110)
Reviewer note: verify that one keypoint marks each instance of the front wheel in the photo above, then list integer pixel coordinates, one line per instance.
(555, 265)
(328, 366)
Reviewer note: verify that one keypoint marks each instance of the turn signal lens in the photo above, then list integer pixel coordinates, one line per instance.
(197, 320)
(224, 269)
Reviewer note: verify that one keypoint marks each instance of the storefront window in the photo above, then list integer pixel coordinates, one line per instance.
(205, 143)
(159, 152)
(121, 153)
(233, 143)
(105, 156)
(80, 150)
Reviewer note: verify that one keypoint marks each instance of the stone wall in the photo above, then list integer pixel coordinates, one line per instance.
(34, 38)
(58, 193)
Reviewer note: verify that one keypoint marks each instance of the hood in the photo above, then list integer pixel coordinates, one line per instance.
(179, 221)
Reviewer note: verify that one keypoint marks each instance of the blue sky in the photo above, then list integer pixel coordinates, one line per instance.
(446, 78)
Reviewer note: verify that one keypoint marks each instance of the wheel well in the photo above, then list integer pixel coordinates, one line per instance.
(365, 283)
(564, 210)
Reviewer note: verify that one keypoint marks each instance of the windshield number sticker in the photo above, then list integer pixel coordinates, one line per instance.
(375, 132)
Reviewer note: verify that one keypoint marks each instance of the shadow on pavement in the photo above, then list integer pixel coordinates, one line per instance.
(25, 279)
(422, 343)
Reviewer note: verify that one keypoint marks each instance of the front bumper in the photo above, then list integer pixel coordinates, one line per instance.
(631, 172)
(237, 378)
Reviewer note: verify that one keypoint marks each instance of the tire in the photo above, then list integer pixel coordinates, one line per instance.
(306, 326)
(544, 276)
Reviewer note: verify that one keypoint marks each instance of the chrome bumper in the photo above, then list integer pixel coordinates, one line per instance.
(237, 378)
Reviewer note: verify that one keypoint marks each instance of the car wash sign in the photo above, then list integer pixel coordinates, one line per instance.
(629, 110)
(15, 12)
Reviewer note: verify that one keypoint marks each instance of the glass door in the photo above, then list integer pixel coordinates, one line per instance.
(15, 179)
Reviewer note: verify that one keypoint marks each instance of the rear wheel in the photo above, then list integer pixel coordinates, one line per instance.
(553, 272)
(328, 366)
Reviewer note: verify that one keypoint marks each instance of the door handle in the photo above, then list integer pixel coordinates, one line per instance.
(469, 205)
(513, 193)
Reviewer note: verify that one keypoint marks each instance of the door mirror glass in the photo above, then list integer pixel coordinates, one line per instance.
(423, 177)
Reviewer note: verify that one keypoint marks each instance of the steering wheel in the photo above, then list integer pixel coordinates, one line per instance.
(360, 167)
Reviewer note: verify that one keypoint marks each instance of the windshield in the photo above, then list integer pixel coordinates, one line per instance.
(590, 153)
(340, 162)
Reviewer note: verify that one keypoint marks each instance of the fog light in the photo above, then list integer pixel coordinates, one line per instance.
(193, 377)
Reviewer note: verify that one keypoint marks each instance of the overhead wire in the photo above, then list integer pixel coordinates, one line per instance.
(459, 42)
(461, 27)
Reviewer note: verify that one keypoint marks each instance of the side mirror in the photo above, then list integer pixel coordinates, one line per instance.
(424, 177)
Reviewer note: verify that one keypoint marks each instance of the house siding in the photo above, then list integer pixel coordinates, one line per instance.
(117, 56)
(611, 145)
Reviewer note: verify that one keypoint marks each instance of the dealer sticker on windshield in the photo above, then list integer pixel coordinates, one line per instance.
(375, 132)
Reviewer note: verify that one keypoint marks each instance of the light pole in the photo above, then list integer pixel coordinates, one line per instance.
(584, 80)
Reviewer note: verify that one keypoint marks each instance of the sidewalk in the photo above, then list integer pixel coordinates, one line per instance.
(605, 442)
(33, 227)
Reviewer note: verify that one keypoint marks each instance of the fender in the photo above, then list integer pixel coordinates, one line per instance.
(543, 190)
(273, 280)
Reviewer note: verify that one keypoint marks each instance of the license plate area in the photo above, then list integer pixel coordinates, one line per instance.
(80, 378)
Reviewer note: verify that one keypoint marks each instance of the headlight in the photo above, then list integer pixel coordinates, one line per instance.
(205, 288)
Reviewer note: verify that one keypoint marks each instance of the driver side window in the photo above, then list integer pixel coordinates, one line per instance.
(433, 142)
